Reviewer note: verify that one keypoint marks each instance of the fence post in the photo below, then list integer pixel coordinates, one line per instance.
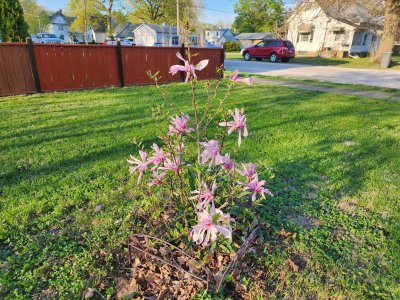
(222, 61)
(182, 52)
(119, 64)
(32, 59)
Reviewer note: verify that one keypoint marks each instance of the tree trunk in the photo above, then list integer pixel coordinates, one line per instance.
(392, 19)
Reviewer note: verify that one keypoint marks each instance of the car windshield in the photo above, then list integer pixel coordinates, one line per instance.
(53, 36)
(289, 44)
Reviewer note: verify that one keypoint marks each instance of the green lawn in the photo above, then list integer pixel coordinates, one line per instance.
(361, 63)
(336, 163)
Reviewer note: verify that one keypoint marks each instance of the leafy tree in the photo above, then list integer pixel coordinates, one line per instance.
(258, 15)
(96, 12)
(35, 15)
(159, 11)
(13, 27)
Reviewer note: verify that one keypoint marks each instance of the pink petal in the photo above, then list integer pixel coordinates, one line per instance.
(176, 68)
(98, 208)
(201, 65)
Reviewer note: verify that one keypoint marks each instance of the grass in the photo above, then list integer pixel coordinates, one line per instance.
(336, 163)
(361, 63)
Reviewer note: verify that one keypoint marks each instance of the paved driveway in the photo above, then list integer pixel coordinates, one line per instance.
(381, 78)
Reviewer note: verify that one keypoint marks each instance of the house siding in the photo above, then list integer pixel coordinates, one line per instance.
(325, 36)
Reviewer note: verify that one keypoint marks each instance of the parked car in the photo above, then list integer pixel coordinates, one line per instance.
(47, 38)
(274, 49)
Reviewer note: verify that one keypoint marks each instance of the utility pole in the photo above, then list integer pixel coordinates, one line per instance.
(177, 18)
(86, 34)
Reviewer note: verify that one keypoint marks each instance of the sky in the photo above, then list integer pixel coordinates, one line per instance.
(213, 10)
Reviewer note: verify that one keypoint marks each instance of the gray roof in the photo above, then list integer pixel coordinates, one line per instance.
(355, 14)
(69, 20)
(253, 36)
(125, 29)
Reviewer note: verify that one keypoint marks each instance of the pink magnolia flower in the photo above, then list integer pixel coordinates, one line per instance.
(188, 68)
(226, 162)
(239, 124)
(235, 78)
(157, 178)
(256, 187)
(248, 171)
(179, 125)
(206, 230)
(171, 165)
(205, 195)
(210, 152)
(158, 157)
(141, 165)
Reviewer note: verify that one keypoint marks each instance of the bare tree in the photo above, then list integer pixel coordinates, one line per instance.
(390, 29)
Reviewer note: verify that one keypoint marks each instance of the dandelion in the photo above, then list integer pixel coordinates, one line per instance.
(239, 124)
(188, 68)
(141, 165)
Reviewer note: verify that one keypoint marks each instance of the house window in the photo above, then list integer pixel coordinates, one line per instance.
(60, 27)
(338, 36)
(304, 37)
(175, 40)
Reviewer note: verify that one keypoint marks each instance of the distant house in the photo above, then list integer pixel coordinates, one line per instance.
(151, 35)
(59, 25)
(125, 30)
(159, 35)
(313, 29)
(219, 36)
(247, 39)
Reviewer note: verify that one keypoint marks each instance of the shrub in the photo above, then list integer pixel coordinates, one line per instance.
(232, 47)
(206, 197)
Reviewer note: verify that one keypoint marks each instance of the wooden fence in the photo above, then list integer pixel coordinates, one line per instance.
(33, 68)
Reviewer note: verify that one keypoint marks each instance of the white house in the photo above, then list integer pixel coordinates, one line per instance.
(153, 35)
(160, 35)
(59, 25)
(343, 30)
(219, 36)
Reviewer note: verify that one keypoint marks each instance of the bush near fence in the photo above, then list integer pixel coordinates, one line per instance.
(232, 47)
(29, 68)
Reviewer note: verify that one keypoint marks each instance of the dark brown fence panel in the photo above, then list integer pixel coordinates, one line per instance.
(71, 67)
(15, 70)
(137, 61)
(215, 57)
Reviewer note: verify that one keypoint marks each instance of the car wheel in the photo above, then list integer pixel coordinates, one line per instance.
(285, 60)
(258, 59)
(274, 57)
(247, 56)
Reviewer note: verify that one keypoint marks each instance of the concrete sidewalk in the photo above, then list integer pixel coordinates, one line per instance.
(373, 77)
(310, 87)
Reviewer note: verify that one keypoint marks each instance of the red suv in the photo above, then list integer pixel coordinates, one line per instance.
(274, 49)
